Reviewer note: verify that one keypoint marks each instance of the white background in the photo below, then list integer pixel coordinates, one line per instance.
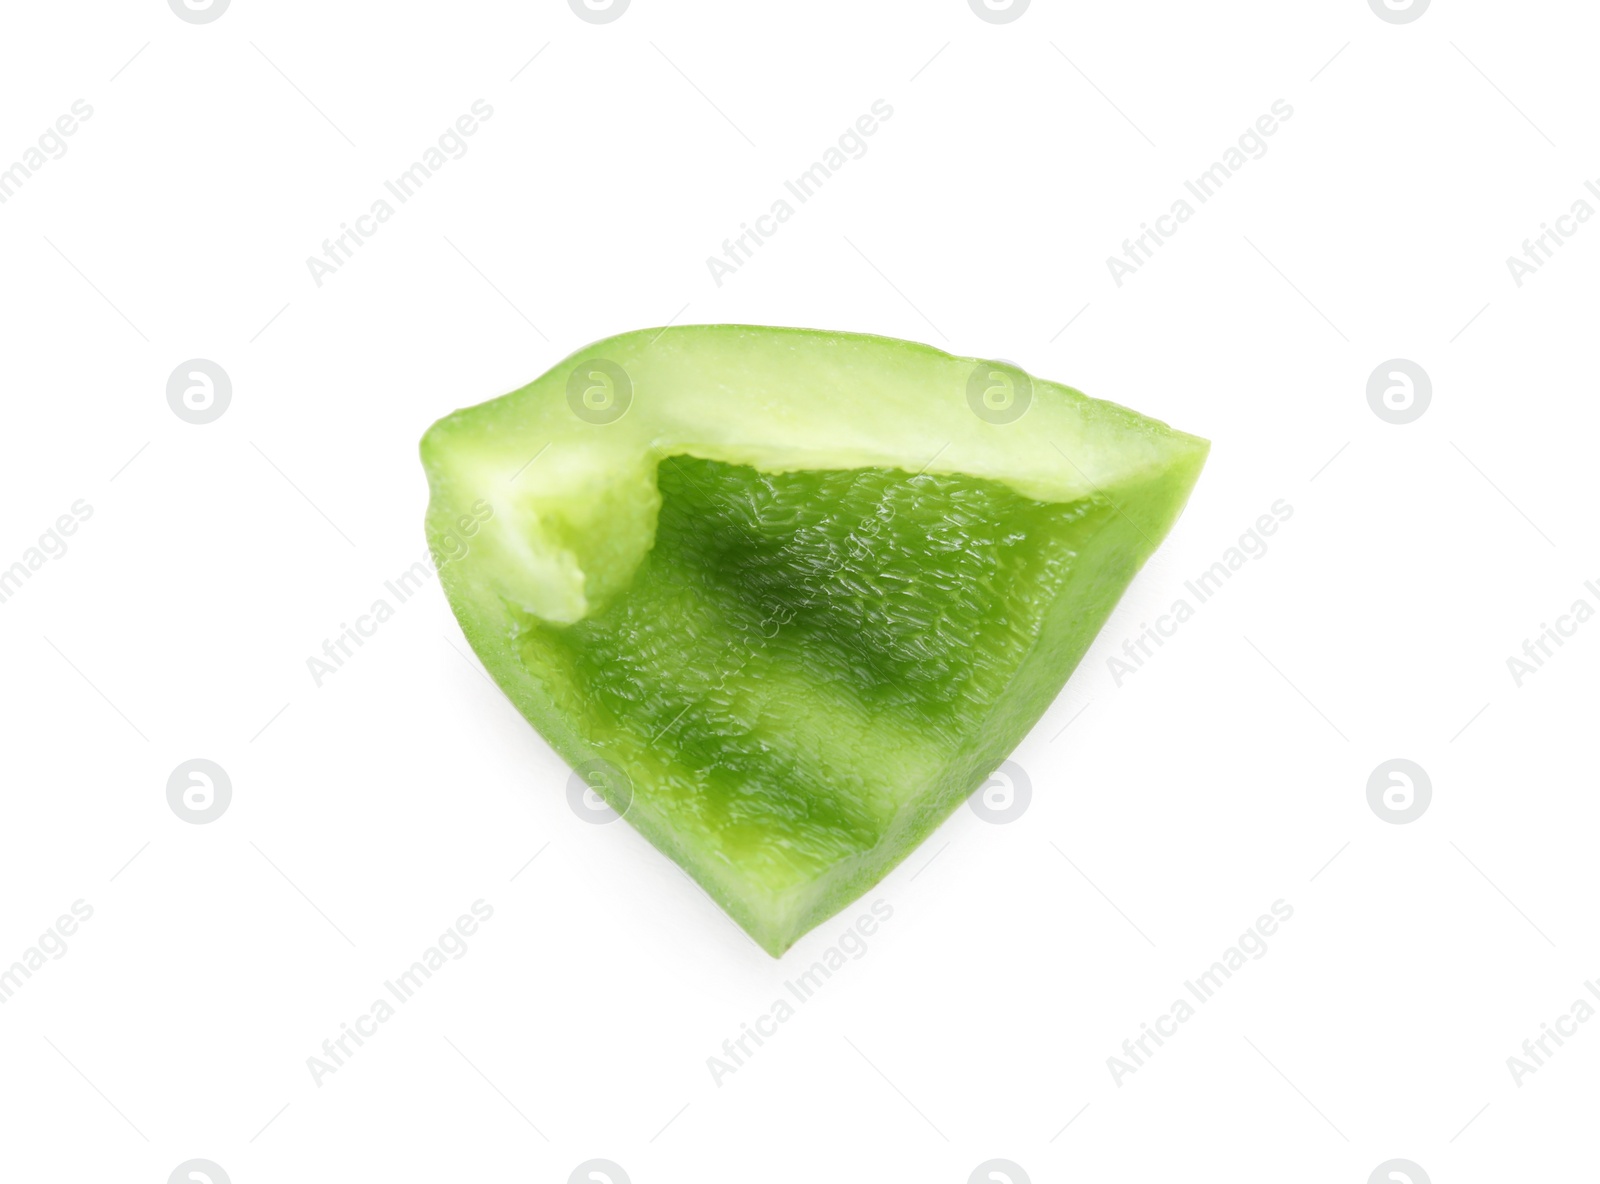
(370, 812)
